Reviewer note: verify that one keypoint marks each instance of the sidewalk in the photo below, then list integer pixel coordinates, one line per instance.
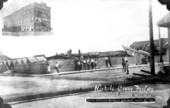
(75, 72)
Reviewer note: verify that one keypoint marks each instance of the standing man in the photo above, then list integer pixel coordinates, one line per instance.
(92, 63)
(75, 63)
(48, 68)
(85, 64)
(95, 63)
(123, 64)
(109, 62)
(81, 62)
(106, 61)
(56, 67)
(88, 63)
(79, 65)
(127, 67)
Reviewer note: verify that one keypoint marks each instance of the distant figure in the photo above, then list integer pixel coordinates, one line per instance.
(49, 68)
(109, 62)
(75, 63)
(81, 62)
(125, 58)
(88, 61)
(81, 59)
(95, 63)
(106, 61)
(79, 65)
(92, 63)
(127, 67)
(56, 67)
(85, 64)
(123, 64)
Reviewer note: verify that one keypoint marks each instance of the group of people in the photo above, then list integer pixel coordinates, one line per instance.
(125, 65)
(85, 63)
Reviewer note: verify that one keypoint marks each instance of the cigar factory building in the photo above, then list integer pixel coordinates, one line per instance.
(33, 19)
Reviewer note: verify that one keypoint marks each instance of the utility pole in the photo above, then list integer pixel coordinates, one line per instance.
(152, 62)
(160, 45)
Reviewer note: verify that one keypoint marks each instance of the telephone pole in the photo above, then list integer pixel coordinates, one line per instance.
(160, 45)
(152, 62)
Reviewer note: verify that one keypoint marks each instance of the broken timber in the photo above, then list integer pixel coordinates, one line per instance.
(155, 77)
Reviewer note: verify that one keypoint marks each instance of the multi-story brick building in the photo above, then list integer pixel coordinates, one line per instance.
(32, 19)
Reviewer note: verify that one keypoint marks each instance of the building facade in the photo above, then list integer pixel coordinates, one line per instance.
(32, 19)
(165, 23)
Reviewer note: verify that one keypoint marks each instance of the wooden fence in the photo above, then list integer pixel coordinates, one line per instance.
(32, 68)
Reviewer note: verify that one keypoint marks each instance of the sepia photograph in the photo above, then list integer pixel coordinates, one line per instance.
(84, 54)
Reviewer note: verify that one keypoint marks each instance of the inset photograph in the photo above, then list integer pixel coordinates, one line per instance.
(31, 19)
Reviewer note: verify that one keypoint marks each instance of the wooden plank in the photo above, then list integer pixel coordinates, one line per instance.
(145, 71)
(137, 74)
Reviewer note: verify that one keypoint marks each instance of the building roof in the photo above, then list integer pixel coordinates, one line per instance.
(143, 45)
(27, 6)
(9, 62)
(20, 61)
(164, 21)
(32, 59)
(14, 61)
(41, 58)
(4, 57)
(25, 60)
(139, 44)
(111, 53)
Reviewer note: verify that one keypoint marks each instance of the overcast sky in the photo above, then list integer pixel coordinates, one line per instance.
(89, 25)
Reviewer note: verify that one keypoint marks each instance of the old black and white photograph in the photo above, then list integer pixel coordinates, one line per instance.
(84, 54)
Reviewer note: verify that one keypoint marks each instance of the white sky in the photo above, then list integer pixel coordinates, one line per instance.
(89, 25)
